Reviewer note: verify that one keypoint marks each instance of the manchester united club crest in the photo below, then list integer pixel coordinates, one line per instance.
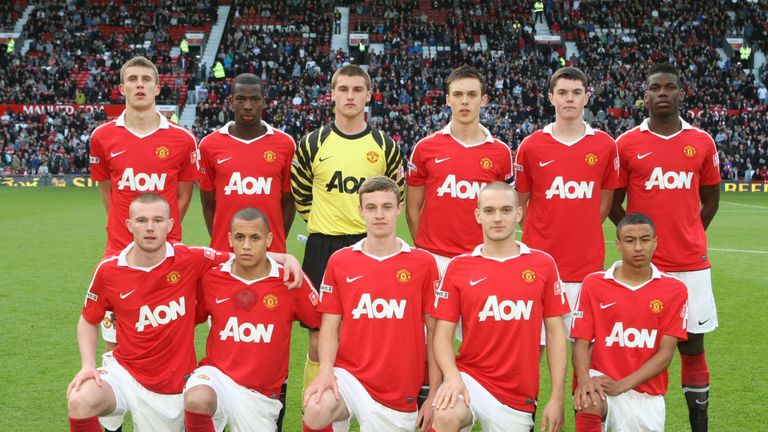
(173, 277)
(162, 152)
(107, 323)
(403, 275)
(590, 159)
(203, 377)
(372, 156)
(270, 156)
(656, 306)
(486, 163)
(689, 151)
(270, 301)
(528, 275)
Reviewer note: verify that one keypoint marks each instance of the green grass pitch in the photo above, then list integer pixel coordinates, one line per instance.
(51, 239)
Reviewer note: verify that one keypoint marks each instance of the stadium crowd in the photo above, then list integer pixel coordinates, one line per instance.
(615, 42)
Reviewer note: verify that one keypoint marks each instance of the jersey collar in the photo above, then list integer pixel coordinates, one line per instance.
(610, 275)
(122, 259)
(524, 250)
(274, 271)
(404, 247)
(645, 127)
(587, 131)
(488, 137)
(225, 131)
(163, 124)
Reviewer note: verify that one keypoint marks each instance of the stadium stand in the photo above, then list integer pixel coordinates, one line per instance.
(75, 50)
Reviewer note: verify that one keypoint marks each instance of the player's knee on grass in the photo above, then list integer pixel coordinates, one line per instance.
(452, 419)
(91, 400)
(321, 414)
(200, 399)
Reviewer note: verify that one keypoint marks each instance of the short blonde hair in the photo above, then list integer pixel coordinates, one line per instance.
(140, 61)
(351, 70)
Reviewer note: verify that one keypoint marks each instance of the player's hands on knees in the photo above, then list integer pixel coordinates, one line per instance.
(588, 394)
(293, 276)
(86, 373)
(451, 390)
(324, 380)
(611, 387)
(426, 414)
(552, 417)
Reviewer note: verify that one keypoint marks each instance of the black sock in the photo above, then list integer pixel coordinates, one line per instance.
(697, 399)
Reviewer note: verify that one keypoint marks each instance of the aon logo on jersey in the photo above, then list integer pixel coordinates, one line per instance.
(248, 185)
(669, 180)
(246, 332)
(459, 189)
(570, 190)
(505, 310)
(141, 182)
(160, 315)
(379, 308)
(631, 337)
(343, 184)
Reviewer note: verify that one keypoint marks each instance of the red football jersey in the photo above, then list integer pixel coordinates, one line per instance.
(252, 319)
(501, 303)
(382, 302)
(247, 174)
(136, 164)
(662, 176)
(627, 323)
(156, 312)
(452, 174)
(565, 181)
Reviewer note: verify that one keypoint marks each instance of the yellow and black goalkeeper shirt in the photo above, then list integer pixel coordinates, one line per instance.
(329, 168)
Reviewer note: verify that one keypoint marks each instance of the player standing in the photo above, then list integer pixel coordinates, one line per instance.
(502, 292)
(141, 151)
(670, 172)
(629, 320)
(376, 298)
(565, 177)
(448, 168)
(330, 165)
(247, 163)
(251, 312)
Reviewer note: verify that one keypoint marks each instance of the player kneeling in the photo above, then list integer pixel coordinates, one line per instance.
(502, 292)
(252, 312)
(372, 366)
(632, 316)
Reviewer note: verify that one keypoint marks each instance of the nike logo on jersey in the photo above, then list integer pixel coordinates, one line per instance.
(220, 301)
(606, 306)
(642, 156)
(543, 164)
(475, 282)
(125, 296)
(116, 154)
(221, 161)
(352, 279)
(324, 159)
(437, 161)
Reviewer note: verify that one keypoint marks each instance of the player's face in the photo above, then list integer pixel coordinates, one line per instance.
(249, 241)
(569, 97)
(150, 224)
(465, 99)
(636, 244)
(663, 95)
(350, 96)
(380, 210)
(498, 213)
(247, 103)
(139, 87)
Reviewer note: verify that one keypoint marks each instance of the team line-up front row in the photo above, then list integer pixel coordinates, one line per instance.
(381, 314)
(373, 365)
